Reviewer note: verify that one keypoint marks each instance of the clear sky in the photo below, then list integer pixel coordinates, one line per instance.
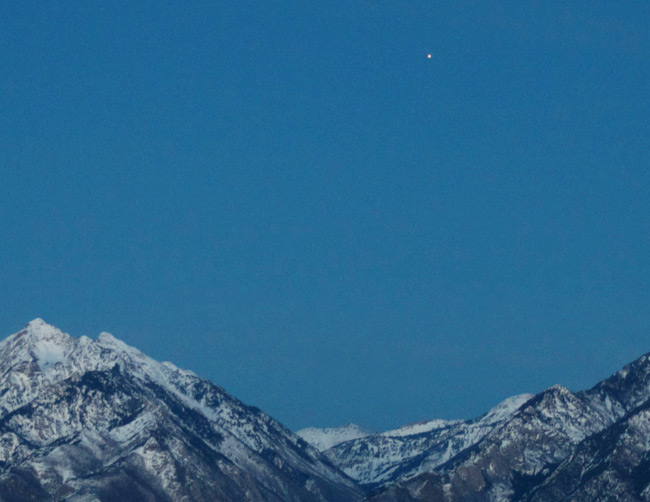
(290, 198)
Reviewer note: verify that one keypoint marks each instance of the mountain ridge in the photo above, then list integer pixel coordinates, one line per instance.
(532, 456)
(85, 420)
(90, 418)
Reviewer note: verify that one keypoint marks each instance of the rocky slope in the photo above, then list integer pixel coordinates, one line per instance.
(84, 420)
(378, 459)
(557, 446)
(613, 464)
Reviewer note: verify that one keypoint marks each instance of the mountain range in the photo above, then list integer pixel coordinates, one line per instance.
(96, 420)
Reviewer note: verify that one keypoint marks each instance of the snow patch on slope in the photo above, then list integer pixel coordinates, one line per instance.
(48, 353)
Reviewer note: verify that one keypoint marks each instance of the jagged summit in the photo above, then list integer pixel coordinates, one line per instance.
(60, 355)
(39, 324)
(35, 331)
(100, 420)
(38, 343)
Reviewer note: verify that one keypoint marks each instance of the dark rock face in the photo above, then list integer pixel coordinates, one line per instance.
(84, 420)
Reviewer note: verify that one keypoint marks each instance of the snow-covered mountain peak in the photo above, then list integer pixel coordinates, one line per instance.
(627, 389)
(39, 323)
(38, 330)
(506, 408)
(106, 351)
(42, 352)
(48, 345)
(38, 343)
(108, 340)
(324, 439)
(84, 340)
(79, 414)
(421, 427)
(635, 369)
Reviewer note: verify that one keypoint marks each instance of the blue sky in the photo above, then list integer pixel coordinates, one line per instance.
(291, 199)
